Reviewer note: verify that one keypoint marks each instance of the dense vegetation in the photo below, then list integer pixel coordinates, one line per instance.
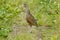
(45, 11)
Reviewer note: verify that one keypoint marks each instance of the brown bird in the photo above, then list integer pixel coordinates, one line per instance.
(29, 17)
(31, 21)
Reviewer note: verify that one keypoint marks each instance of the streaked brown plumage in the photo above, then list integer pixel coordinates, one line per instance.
(29, 17)
(31, 20)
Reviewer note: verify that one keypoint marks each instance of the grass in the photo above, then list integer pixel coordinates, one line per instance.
(46, 13)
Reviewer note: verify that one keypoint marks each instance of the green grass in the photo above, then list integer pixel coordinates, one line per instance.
(45, 11)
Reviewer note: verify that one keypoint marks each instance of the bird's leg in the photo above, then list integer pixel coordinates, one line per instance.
(30, 29)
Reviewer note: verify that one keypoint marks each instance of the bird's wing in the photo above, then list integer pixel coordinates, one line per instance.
(31, 19)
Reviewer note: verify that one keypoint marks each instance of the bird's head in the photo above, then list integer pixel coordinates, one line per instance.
(25, 5)
(26, 8)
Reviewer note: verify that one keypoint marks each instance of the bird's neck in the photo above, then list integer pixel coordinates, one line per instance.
(27, 11)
